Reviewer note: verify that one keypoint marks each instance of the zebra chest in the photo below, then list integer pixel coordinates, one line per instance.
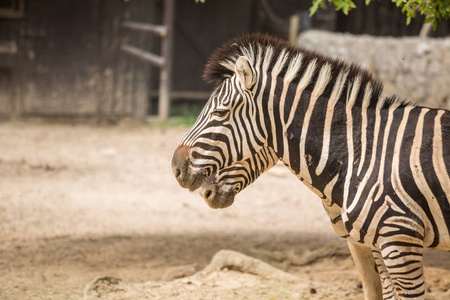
(338, 217)
(334, 212)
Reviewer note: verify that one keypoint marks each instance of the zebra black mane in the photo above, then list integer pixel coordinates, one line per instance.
(220, 65)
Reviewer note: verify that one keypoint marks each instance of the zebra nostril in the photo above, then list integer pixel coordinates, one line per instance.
(177, 173)
(208, 194)
(180, 163)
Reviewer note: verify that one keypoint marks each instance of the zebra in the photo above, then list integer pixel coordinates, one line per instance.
(380, 164)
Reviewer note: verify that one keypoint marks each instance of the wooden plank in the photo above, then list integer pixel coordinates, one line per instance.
(55, 80)
(165, 81)
(147, 56)
(155, 29)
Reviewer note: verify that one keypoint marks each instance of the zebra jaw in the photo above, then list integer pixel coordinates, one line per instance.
(192, 180)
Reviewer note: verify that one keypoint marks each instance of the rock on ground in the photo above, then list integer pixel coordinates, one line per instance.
(230, 275)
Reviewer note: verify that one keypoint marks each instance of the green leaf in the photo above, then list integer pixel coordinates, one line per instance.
(314, 7)
(428, 20)
(408, 20)
(345, 10)
(434, 10)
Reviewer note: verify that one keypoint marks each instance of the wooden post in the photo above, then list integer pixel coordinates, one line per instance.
(166, 52)
(294, 22)
(163, 61)
(425, 30)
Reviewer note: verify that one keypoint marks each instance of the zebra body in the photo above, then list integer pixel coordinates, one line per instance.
(380, 165)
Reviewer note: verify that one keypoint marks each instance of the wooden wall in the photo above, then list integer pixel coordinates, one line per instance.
(68, 60)
(69, 63)
(199, 29)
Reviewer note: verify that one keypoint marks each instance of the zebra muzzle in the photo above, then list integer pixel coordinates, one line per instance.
(186, 177)
(180, 166)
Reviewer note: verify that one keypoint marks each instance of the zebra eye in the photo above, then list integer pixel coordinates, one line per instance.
(220, 112)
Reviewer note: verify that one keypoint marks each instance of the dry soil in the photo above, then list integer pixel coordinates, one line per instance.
(83, 201)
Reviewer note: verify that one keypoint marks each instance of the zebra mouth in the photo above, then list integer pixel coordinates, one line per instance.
(187, 176)
(216, 195)
(217, 200)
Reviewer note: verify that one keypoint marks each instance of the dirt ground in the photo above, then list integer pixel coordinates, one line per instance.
(81, 201)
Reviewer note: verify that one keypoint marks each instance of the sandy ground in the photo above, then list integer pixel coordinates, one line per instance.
(80, 201)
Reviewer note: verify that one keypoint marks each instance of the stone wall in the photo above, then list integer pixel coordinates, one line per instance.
(410, 67)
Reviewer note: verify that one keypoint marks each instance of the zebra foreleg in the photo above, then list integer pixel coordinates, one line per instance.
(403, 259)
(365, 264)
(386, 281)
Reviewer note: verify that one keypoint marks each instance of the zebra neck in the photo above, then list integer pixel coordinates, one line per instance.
(315, 136)
(314, 147)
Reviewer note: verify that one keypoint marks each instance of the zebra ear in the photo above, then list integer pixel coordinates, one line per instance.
(245, 72)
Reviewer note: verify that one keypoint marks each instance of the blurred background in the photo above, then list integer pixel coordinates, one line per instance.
(96, 94)
(85, 58)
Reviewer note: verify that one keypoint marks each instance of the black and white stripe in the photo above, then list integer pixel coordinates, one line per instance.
(238, 176)
(380, 165)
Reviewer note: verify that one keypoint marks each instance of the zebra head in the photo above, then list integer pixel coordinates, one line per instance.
(220, 188)
(222, 135)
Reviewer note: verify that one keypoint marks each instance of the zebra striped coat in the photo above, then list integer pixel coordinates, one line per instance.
(379, 164)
